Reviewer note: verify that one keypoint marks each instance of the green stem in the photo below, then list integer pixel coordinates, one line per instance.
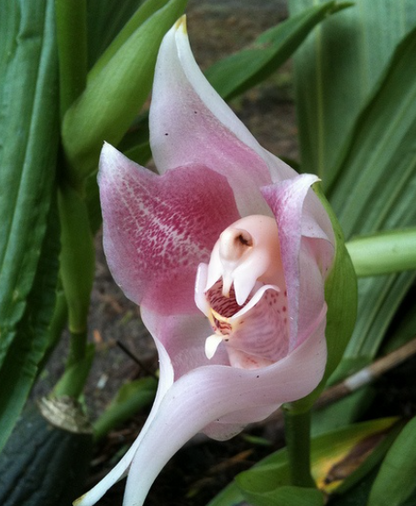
(297, 434)
(75, 376)
(56, 327)
(77, 347)
(383, 252)
(77, 273)
(71, 25)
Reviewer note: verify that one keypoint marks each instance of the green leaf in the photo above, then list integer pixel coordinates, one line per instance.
(395, 482)
(368, 196)
(237, 73)
(341, 298)
(115, 92)
(342, 412)
(20, 365)
(142, 14)
(327, 450)
(229, 496)
(29, 141)
(104, 21)
(337, 69)
(286, 496)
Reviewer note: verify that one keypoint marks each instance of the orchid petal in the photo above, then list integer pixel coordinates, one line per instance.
(119, 471)
(183, 338)
(152, 227)
(190, 123)
(198, 398)
(286, 199)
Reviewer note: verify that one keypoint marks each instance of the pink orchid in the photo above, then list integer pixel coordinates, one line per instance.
(227, 252)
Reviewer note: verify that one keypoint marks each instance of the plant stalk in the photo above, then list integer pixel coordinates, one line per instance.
(297, 435)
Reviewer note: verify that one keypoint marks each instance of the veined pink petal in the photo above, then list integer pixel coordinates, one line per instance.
(190, 123)
(158, 228)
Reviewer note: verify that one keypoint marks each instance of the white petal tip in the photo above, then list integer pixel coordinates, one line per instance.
(211, 345)
(180, 25)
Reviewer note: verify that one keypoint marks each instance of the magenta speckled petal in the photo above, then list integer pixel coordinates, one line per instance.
(158, 228)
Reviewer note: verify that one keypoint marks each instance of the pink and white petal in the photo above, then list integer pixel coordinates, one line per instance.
(200, 398)
(199, 401)
(279, 170)
(286, 200)
(190, 123)
(158, 228)
(183, 337)
(121, 469)
(312, 293)
(260, 330)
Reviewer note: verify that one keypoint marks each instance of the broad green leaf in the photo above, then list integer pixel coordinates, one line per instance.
(369, 196)
(29, 141)
(405, 329)
(115, 93)
(395, 482)
(337, 69)
(20, 366)
(286, 496)
(144, 11)
(379, 300)
(327, 451)
(239, 72)
(342, 412)
(229, 496)
(104, 21)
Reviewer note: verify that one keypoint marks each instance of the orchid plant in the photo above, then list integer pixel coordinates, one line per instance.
(227, 252)
(237, 262)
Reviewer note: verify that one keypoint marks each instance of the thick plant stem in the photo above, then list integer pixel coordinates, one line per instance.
(297, 434)
(71, 24)
(77, 274)
(385, 252)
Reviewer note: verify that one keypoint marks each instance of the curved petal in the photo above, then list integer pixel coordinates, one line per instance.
(183, 337)
(158, 228)
(286, 200)
(190, 123)
(119, 471)
(198, 402)
(198, 399)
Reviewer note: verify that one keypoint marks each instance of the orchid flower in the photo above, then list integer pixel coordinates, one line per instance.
(226, 251)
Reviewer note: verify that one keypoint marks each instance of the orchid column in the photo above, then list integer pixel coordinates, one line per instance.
(227, 252)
